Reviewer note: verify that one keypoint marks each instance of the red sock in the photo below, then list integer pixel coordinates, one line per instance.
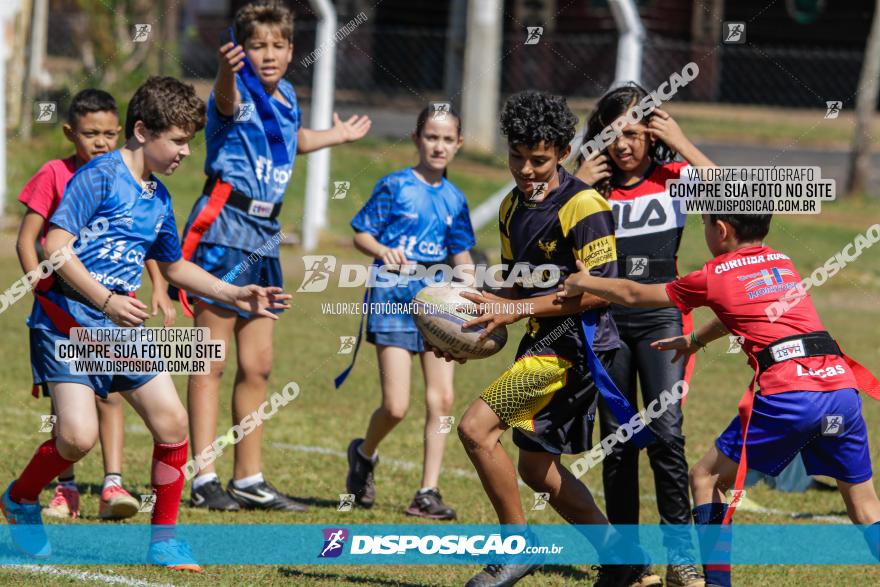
(45, 465)
(167, 481)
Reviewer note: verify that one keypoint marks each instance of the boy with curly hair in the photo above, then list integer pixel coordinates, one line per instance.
(548, 398)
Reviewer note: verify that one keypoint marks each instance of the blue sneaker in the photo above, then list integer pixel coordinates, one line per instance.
(173, 554)
(25, 526)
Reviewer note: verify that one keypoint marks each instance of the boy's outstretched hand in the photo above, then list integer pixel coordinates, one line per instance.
(356, 127)
(260, 300)
(231, 57)
(680, 344)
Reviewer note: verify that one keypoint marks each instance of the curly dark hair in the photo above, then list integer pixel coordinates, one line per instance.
(162, 102)
(530, 117)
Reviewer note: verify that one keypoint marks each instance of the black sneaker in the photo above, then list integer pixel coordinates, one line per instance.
(430, 505)
(211, 496)
(359, 480)
(619, 575)
(262, 496)
(501, 575)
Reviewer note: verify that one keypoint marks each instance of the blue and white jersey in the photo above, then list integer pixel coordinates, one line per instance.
(427, 222)
(139, 225)
(239, 153)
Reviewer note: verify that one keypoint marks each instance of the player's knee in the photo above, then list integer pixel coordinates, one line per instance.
(75, 444)
(440, 399)
(256, 372)
(700, 478)
(173, 427)
(471, 437)
(394, 411)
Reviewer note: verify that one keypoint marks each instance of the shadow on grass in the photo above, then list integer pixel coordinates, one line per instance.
(293, 573)
(566, 571)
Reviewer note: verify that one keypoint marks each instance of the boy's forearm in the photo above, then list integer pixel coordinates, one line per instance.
(712, 330)
(74, 272)
(225, 92)
(624, 291)
(547, 307)
(159, 283)
(192, 278)
(27, 255)
(309, 140)
(26, 243)
(368, 245)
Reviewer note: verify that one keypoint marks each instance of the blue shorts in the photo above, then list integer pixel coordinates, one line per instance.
(411, 341)
(47, 369)
(237, 267)
(825, 427)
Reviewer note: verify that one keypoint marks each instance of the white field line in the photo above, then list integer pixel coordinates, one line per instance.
(86, 576)
(456, 472)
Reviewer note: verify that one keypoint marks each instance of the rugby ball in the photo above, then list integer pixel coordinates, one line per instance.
(435, 310)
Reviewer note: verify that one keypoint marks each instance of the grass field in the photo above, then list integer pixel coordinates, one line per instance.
(305, 441)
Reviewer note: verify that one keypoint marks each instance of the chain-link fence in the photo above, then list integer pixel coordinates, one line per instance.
(378, 64)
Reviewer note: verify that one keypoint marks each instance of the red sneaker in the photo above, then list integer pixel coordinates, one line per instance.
(64, 504)
(117, 503)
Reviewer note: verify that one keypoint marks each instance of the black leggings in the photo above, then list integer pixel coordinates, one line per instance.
(655, 373)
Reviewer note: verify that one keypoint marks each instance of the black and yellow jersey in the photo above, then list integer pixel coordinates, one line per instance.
(572, 222)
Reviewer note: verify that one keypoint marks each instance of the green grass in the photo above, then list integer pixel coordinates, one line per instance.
(306, 343)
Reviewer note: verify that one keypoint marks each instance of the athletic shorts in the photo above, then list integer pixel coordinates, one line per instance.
(47, 369)
(825, 427)
(237, 267)
(549, 399)
(411, 341)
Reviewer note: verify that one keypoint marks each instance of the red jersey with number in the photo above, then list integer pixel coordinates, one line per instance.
(739, 287)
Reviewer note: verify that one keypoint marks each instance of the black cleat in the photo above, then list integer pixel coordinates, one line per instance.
(430, 505)
(262, 496)
(619, 575)
(501, 575)
(211, 496)
(359, 480)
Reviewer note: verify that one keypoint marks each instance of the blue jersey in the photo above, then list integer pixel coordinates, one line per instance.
(140, 225)
(239, 153)
(427, 222)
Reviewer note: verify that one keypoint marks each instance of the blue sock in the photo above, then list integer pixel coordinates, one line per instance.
(714, 543)
(872, 537)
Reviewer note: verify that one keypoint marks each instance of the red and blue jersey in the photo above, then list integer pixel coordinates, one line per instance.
(739, 286)
(238, 152)
(140, 225)
(428, 222)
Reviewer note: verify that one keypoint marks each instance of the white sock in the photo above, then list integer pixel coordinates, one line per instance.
(426, 489)
(204, 479)
(68, 483)
(112, 479)
(248, 481)
(372, 459)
